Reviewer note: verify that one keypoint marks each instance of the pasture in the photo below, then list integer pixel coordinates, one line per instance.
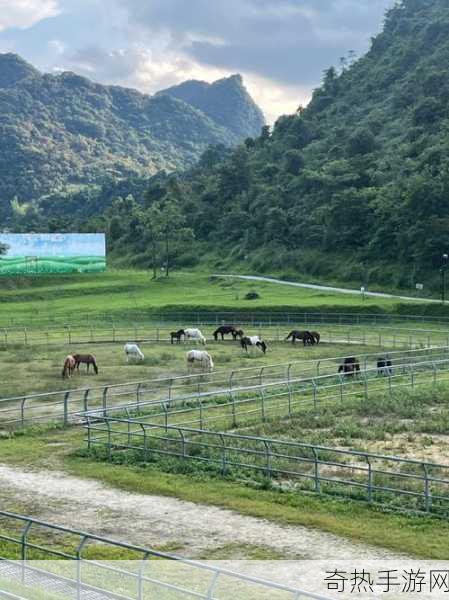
(42, 323)
(127, 296)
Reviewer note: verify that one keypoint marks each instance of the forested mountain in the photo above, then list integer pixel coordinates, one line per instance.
(355, 186)
(64, 129)
(226, 102)
(359, 177)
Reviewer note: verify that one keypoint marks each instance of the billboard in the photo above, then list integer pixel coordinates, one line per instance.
(36, 253)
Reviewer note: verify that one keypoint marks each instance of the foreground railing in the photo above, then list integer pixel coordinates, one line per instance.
(392, 481)
(68, 406)
(29, 540)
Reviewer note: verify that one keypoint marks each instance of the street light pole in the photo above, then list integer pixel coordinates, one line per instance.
(444, 260)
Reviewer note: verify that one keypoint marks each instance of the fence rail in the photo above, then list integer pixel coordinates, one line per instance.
(218, 317)
(28, 538)
(387, 480)
(257, 403)
(68, 406)
(198, 433)
(362, 333)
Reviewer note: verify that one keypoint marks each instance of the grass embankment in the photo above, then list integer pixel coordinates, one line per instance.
(416, 536)
(127, 294)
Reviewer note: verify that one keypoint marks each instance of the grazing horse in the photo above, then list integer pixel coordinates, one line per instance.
(69, 366)
(177, 335)
(384, 366)
(87, 359)
(253, 341)
(203, 358)
(316, 336)
(305, 336)
(350, 366)
(196, 335)
(225, 330)
(133, 351)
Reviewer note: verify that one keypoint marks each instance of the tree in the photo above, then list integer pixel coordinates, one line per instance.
(173, 230)
(152, 223)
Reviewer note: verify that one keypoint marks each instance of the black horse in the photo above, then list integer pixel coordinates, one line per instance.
(305, 336)
(316, 336)
(350, 366)
(177, 335)
(384, 366)
(246, 342)
(226, 330)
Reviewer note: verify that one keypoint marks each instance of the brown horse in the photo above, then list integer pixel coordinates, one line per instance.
(69, 366)
(177, 335)
(350, 366)
(226, 330)
(305, 336)
(87, 359)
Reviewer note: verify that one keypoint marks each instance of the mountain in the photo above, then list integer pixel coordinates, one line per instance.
(226, 102)
(60, 130)
(355, 186)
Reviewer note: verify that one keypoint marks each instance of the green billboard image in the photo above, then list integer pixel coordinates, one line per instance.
(46, 253)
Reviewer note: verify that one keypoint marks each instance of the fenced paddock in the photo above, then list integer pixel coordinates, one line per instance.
(145, 573)
(386, 480)
(95, 333)
(197, 433)
(68, 406)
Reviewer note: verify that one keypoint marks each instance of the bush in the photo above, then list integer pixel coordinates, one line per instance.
(252, 296)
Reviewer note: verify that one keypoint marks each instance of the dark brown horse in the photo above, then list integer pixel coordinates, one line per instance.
(226, 330)
(316, 336)
(87, 359)
(350, 366)
(69, 366)
(177, 335)
(305, 336)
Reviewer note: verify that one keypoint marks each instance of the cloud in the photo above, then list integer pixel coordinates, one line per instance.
(289, 41)
(281, 47)
(23, 14)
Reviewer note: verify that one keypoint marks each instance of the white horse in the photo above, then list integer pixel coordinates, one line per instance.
(133, 351)
(253, 341)
(199, 356)
(196, 335)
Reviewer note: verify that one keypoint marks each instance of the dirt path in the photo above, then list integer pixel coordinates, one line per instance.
(326, 288)
(154, 521)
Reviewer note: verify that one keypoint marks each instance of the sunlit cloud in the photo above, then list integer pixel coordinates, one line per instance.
(23, 14)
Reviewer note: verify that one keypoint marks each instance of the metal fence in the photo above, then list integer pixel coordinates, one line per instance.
(68, 406)
(247, 405)
(28, 540)
(215, 318)
(391, 481)
(333, 333)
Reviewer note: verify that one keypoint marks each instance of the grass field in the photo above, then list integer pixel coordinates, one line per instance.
(416, 422)
(128, 294)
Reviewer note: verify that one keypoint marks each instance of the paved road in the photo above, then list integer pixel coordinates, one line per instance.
(325, 288)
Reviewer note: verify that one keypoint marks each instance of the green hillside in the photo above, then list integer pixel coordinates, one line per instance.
(59, 130)
(355, 186)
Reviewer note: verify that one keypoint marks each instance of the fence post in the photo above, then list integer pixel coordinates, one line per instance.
(370, 478)
(145, 442)
(290, 391)
(427, 494)
(25, 336)
(315, 390)
(86, 400)
(316, 471)
(66, 408)
(105, 400)
(341, 386)
(138, 388)
(23, 548)
(223, 454)
(78, 567)
(140, 589)
(266, 443)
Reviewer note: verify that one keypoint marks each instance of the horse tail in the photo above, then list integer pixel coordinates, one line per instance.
(94, 364)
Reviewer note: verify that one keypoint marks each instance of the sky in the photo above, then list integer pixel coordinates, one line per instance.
(51, 244)
(281, 47)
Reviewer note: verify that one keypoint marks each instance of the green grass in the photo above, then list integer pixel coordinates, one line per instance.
(417, 536)
(127, 293)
